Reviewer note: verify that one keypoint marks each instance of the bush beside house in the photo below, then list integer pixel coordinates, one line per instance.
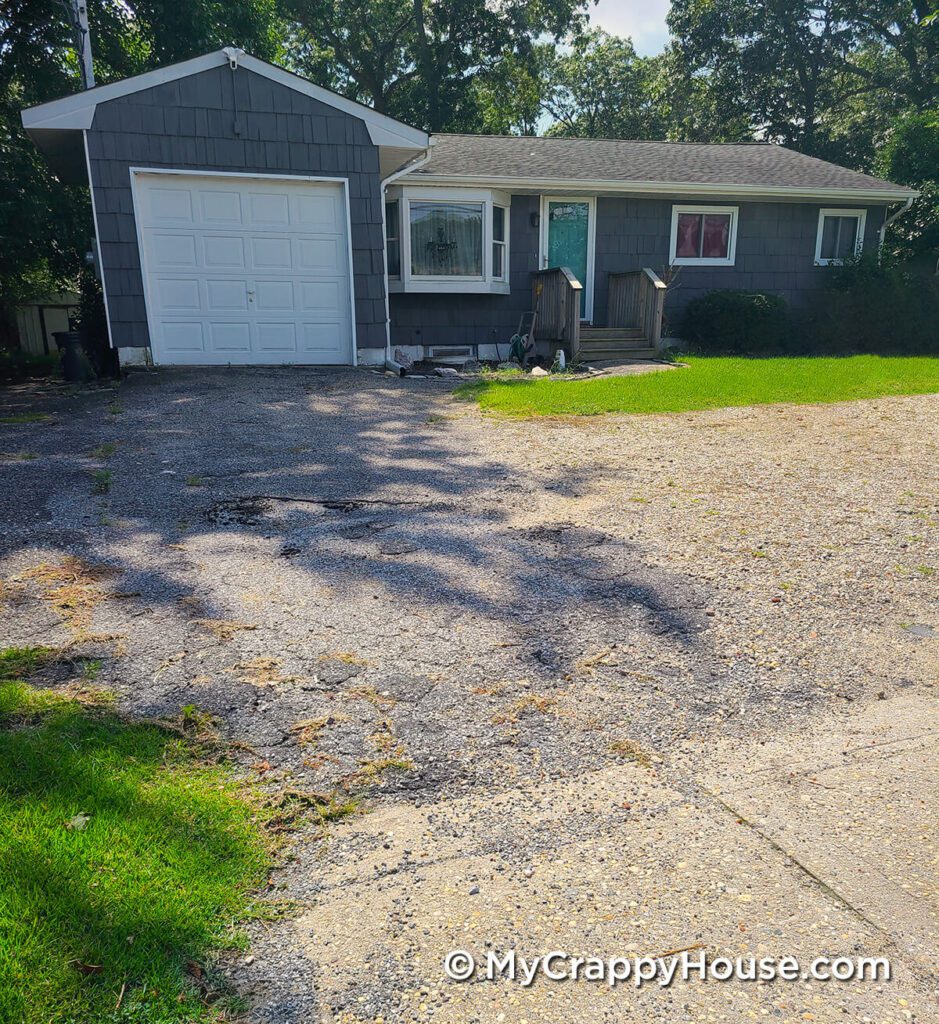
(866, 307)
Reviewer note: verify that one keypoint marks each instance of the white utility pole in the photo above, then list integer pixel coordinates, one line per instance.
(79, 19)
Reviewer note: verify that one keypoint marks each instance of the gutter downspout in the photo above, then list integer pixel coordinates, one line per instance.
(411, 165)
(887, 222)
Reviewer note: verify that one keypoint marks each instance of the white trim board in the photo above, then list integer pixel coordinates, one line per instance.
(240, 176)
(614, 186)
(100, 259)
(78, 111)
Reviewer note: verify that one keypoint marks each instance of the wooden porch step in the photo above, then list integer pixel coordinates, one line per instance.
(600, 353)
(611, 334)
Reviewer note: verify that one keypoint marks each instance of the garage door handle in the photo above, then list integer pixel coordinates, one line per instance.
(250, 295)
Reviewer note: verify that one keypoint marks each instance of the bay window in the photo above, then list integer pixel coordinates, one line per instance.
(447, 240)
(840, 235)
(703, 236)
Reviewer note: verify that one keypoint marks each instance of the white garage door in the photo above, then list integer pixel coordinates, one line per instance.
(245, 270)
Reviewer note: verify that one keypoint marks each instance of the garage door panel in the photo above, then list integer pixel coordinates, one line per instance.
(226, 295)
(274, 296)
(246, 271)
(220, 251)
(183, 336)
(321, 253)
(180, 294)
(173, 250)
(170, 204)
(266, 209)
(277, 336)
(271, 253)
(319, 338)
(321, 296)
(221, 208)
(317, 213)
(230, 337)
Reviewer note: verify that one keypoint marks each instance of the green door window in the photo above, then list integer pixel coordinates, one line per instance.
(568, 231)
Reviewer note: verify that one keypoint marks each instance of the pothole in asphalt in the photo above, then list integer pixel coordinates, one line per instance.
(238, 512)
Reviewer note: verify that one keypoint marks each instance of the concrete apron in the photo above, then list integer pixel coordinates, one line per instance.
(813, 847)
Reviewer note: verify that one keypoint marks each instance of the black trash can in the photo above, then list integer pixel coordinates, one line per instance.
(73, 363)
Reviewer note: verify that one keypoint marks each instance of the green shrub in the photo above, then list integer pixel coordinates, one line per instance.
(734, 322)
(17, 365)
(877, 308)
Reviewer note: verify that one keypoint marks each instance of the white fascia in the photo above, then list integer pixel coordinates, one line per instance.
(596, 186)
(78, 111)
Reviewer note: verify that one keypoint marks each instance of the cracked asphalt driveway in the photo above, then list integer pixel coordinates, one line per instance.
(614, 685)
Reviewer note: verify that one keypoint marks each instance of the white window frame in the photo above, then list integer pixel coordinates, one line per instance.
(396, 237)
(859, 215)
(504, 241)
(704, 261)
(409, 282)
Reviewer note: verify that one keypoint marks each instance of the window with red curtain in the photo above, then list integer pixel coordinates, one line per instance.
(688, 243)
(715, 236)
(703, 236)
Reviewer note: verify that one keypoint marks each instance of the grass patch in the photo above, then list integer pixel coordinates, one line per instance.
(20, 662)
(710, 383)
(193, 481)
(104, 450)
(24, 417)
(124, 857)
(101, 481)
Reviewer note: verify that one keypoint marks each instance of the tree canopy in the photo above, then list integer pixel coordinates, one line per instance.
(855, 81)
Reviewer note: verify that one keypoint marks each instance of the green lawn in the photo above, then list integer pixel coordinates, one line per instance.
(124, 860)
(709, 383)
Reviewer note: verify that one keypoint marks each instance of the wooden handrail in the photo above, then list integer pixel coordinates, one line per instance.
(636, 298)
(556, 297)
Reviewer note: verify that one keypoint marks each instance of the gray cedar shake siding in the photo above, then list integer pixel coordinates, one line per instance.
(188, 124)
(775, 252)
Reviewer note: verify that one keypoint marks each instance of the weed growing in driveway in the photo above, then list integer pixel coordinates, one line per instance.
(123, 856)
(102, 481)
(24, 417)
(539, 702)
(308, 732)
(104, 450)
(73, 589)
(630, 750)
(115, 409)
(368, 693)
(193, 481)
(223, 629)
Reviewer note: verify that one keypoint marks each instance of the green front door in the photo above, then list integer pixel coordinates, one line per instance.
(568, 234)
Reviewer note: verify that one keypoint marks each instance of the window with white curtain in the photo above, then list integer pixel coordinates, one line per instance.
(446, 239)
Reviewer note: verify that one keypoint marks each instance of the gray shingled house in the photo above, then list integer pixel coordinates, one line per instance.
(244, 215)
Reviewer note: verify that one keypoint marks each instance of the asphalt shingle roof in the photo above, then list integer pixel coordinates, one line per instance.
(752, 164)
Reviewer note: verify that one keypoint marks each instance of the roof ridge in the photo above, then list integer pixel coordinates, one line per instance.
(593, 138)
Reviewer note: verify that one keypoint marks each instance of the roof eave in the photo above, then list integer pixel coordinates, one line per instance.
(76, 112)
(723, 189)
